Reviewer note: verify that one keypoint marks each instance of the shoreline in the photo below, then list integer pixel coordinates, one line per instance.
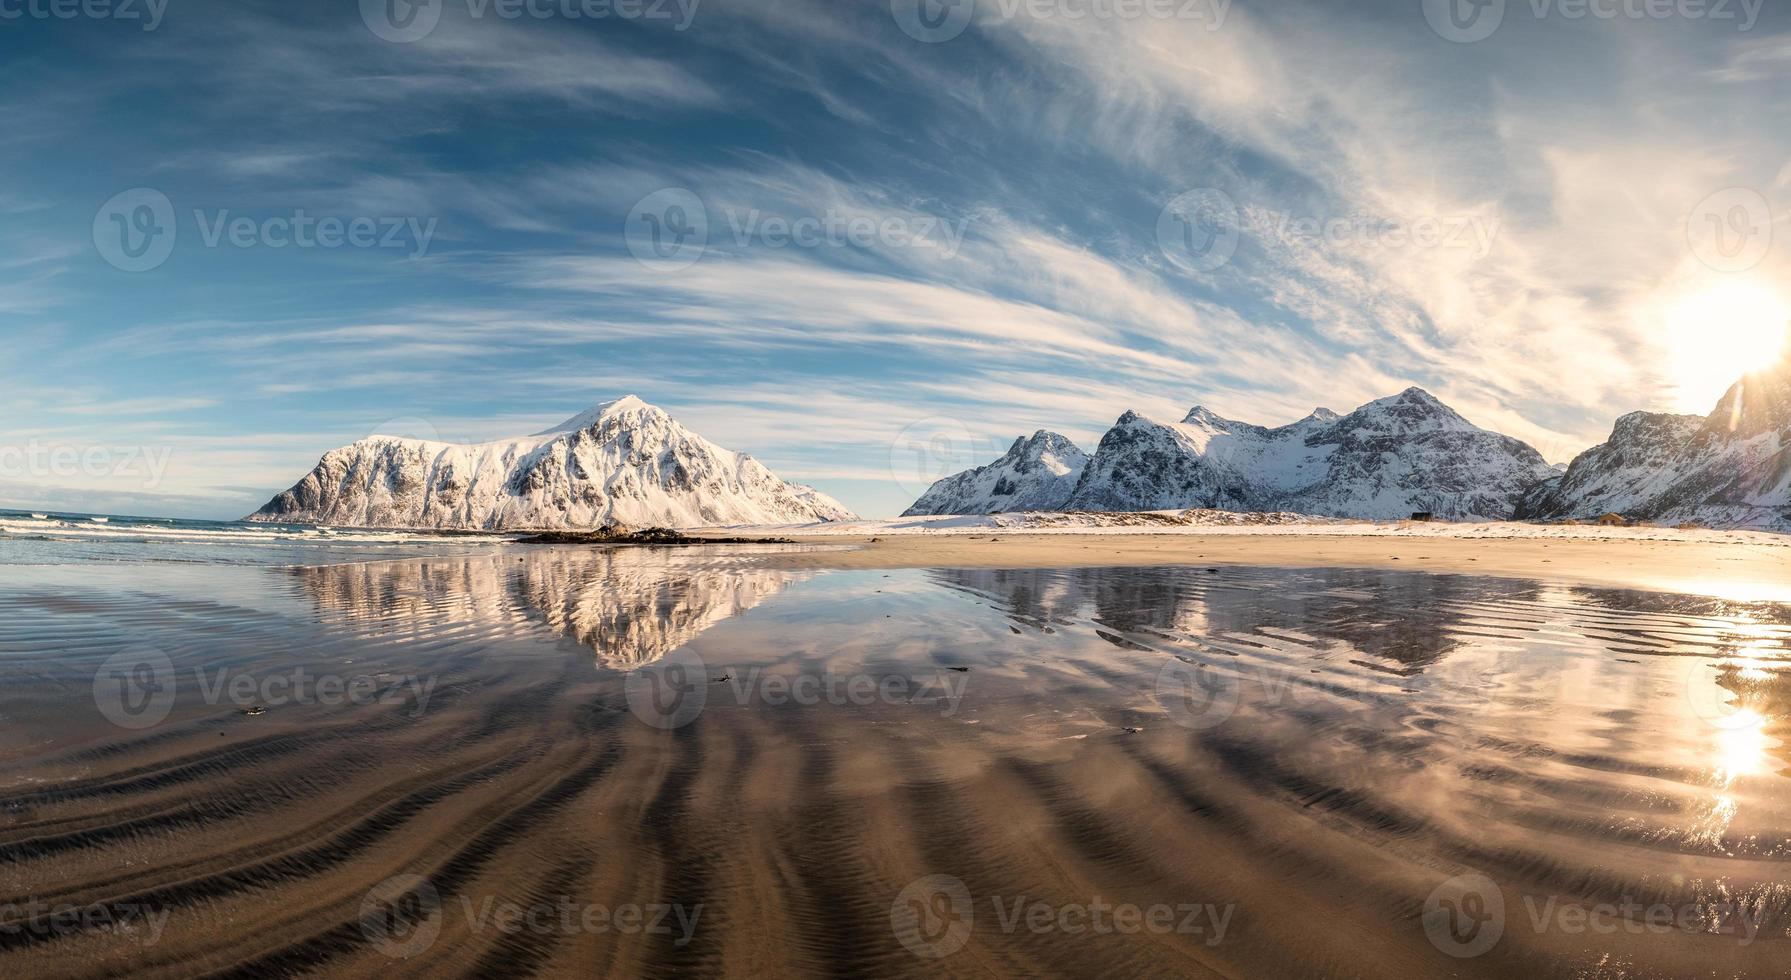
(1742, 571)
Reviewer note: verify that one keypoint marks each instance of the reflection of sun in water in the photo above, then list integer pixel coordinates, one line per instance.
(1718, 334)
(1741, 744)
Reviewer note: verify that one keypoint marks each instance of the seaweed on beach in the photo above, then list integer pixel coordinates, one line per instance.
(617, 534)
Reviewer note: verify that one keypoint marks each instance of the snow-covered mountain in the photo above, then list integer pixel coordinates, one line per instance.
(1388, 459)
(1730, 469)
(624, 462)
(1037, 473)
(1616, 475)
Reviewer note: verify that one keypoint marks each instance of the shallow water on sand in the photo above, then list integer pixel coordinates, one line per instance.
(585, 762)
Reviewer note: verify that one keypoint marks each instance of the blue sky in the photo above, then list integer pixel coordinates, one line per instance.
(1523, 223)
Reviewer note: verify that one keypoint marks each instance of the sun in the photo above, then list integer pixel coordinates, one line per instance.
(1718, 334)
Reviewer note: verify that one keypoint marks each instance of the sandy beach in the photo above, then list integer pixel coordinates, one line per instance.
(1747, 567)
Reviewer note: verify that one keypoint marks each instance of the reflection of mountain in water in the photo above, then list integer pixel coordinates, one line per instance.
(631, 606)
(634, 606)
(1405, 619)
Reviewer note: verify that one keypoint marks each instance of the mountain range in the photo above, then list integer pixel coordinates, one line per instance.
(624, 462)
(1407, 454)
(628, 462)
(1388, 459)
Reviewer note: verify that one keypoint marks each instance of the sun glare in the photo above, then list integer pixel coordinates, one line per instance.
(1719, 334)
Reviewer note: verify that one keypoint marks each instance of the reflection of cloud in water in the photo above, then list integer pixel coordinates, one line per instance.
(631, 606)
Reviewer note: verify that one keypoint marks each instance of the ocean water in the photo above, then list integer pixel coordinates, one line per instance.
(52, 538)
(265, 754)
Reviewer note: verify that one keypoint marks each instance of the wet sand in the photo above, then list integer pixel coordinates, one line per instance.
(1744, 571)
(726, 761)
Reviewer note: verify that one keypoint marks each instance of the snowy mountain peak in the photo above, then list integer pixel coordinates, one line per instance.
(1037, 472)
(1200, 415)
(627, 404)
(623, 461)
(1758, 403)
(1412, 410)
(1318, 416)
(1039, 447)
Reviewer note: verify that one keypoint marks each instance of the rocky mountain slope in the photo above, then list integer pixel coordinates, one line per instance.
(1388, 459)
(1037, 473)
(1614, 476)
(1730, 469)
(621, 462)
